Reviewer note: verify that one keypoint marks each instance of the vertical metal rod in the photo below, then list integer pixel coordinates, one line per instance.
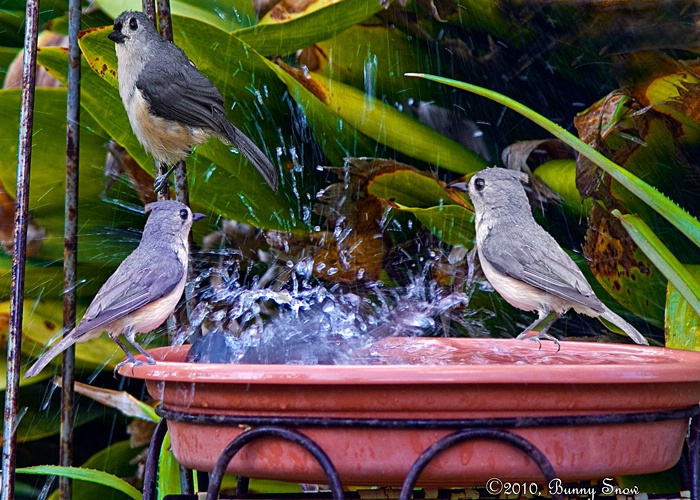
(14, 343)
(149, 9)
(182, 193)
(150, 474)
(70, 243)
(165, 24)
(694, 457)
(186, 481)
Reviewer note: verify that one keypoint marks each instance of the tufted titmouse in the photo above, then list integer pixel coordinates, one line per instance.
(144, 289)
(523, 263)
(171, 105)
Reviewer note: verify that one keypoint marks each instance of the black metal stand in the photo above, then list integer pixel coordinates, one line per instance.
(465, 429)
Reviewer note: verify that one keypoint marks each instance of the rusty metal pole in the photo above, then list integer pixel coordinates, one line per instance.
(182, 194)
(70, 243)
(14, 342)
(149, 8)
(165, 23)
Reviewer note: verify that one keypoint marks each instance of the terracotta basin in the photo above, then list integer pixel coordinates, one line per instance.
(456, 379)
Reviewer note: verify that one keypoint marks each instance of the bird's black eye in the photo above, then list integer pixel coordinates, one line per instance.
(184, 214)
(133, 24)
(479, 183)
(118, 26)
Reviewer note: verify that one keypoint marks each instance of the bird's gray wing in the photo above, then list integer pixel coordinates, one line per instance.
(128, 290)
(176, 90)
(548, 268)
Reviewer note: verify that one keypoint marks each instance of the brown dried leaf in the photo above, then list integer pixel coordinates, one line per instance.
(525, 156)
(283, 10)
(599, 122)
(119, 161)
(119, 400)
(354, 247)
(621, 268)
(35, 233)
(140, 432)
(13, 78)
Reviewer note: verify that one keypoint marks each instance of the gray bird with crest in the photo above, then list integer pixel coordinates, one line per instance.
(171, 105)
(144, 289)
(523, 262)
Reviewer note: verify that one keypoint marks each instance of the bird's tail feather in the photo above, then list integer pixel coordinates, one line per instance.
(54, 350)
(623, 325)
(253, 153)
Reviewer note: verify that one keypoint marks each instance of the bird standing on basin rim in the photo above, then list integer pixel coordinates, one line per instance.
(523, 262)
(144, 289)
(171, 105)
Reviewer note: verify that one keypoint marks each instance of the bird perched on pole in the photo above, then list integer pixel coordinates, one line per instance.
(144, 289)
(171, 105)
(523, 262)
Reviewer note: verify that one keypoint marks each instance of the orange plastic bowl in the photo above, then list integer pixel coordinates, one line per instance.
(442, 379)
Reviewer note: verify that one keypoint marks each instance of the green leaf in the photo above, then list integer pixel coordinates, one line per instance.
(665, 261)
(560, 176)
(168, 471)
(281, 33)
(47, 180)
(683, 221)
(420, 194)
(409, 188)
(99, 476)
(337, 139)
(227, 15)
(39, 421)
(373, 58)
(346, 105)
(41, 324)
(682, 321)
(453, 224)
(90, 475)
(7, 55)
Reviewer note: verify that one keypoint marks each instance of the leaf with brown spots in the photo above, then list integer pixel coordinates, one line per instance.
(622, 268)
(646, 130)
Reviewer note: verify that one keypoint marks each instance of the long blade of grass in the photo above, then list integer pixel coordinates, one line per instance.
(681, 219)
(663, 259)
(94, 476)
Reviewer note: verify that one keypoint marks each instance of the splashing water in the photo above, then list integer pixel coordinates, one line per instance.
(305, 322)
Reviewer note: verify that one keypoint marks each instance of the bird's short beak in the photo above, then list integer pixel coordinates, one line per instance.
(461, 186)
(116, 37)
(196, 217)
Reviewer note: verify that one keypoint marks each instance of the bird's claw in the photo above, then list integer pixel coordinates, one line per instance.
(135, 362)
(122, 363)
(539, 338)
(162, 183)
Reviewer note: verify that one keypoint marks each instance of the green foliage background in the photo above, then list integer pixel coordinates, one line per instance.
(345, 96)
